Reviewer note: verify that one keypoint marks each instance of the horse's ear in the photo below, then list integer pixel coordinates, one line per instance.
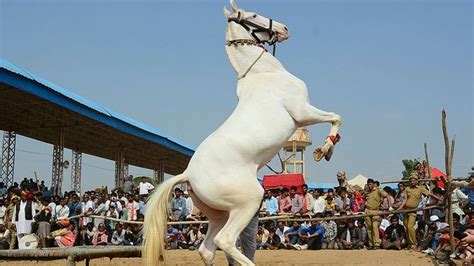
(226, 12)
(234, 6)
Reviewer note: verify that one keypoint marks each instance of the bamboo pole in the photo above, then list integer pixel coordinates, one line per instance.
(279, 218)
(428, 161)
(421, 180)
(342, 217)
(72, 254)
(447, 160)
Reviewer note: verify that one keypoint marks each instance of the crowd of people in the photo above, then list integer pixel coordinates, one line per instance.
(63, 221)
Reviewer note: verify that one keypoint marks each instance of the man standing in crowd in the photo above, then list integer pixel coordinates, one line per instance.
(307, 200)
(189, 203)
(144, 187)
(271, 203)
(178, 206)
(412, 197)
(128, 184)
(319, 201)
(23, 214)
(296, 202)
(374, 199)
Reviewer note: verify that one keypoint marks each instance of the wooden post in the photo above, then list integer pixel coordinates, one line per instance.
(447, 161)
(427, 161)
(71, 260)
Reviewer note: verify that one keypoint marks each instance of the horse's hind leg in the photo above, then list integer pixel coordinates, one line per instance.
(217, 219)
(207, 250)
(227, 237)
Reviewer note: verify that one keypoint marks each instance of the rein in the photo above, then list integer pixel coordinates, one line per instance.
(257, 42)
(256, 29)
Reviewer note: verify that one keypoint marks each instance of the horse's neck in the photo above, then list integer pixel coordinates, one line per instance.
(243, 56)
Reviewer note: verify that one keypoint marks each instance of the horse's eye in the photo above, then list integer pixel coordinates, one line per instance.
(254, 16)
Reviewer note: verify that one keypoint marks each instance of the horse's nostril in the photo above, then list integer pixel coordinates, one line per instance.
(286, 28)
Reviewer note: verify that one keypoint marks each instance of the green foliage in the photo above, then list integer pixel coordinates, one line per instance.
(409, 167)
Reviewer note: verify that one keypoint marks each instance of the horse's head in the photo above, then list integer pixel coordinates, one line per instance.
(259, 27)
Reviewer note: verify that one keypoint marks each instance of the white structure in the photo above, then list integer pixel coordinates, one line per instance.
(294, 150)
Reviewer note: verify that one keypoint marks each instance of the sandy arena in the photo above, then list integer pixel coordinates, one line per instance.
(277, 257)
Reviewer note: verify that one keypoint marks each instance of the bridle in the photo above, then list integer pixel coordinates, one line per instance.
(253, 29)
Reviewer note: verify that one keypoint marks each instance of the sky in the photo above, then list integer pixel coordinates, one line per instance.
(387, 67)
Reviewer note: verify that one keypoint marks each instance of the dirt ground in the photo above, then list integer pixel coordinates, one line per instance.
(267, 257)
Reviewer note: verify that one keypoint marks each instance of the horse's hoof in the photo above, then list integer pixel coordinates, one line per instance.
(329, 153)
(318, 154)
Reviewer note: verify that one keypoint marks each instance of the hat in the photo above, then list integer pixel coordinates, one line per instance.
(340, 173)
(434, 218)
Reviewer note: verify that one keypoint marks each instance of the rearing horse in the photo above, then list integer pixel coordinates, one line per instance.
(223, 171)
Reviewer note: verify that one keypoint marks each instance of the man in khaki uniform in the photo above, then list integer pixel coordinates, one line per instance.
(372, 205)
(412, 197)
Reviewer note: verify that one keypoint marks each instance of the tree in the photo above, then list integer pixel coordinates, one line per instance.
(409, 167)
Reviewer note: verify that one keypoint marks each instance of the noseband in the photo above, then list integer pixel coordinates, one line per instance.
(253, 29)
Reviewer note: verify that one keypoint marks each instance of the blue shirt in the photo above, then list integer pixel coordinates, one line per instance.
(312, 230)
(272, 205)
(292, 231)
(469, 193)
(180, 204)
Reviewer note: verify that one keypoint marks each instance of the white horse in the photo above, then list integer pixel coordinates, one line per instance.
(223, 171)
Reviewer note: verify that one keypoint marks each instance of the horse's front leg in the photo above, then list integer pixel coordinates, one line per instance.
(310, 115)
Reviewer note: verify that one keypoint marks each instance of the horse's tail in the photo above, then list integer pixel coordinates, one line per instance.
(155, 221)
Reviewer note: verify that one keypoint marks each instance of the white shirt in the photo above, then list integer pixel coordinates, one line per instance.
(144, 187)
(53, 209)
(3, 210)
(459, 199)
(62, 211)
(23, 226)
(384, 224)
(319, 205)
(281, 234)
(189, 205)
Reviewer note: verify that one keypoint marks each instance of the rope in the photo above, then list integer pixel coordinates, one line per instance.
(250, 67)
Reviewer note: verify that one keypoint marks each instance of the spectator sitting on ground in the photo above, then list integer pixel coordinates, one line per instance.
(330, 232)
(312, 235)
(350, 237)
(394, 237)
(171, 237)
(194, 238)
(291, 235)
(424, 236)
(100, 236)
(5, 237)
(118, 236)
(273, 240)
(261, 237)
(66, 236)
(280, 231)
